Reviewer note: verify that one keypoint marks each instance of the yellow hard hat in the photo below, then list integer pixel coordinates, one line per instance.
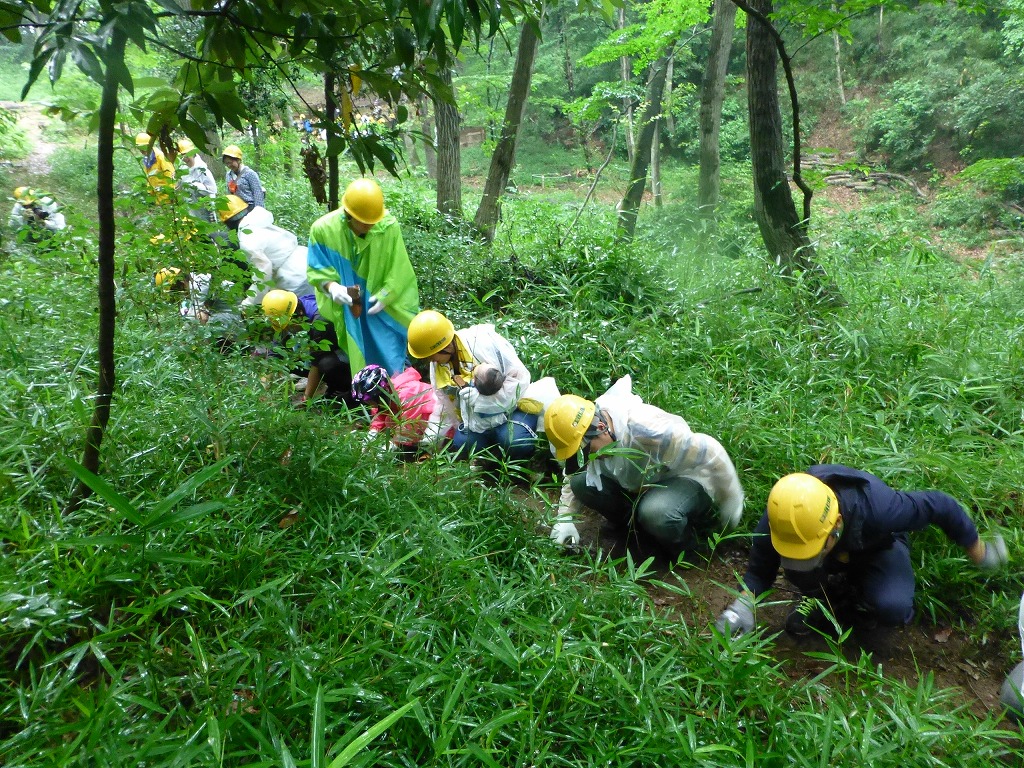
(165, 277)
(232, 150)
(429, 332)
(185, 146)
(25, 195)
(364, 201)
(279, 306)
(230, 206)
(802, 511)
(566, 421)
(142, 140)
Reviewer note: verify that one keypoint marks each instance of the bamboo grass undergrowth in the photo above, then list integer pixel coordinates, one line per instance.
(408, 614)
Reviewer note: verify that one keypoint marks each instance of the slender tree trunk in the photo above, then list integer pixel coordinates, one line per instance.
(626, 73)
(114, 56)
(629, 207)
(711, 96)
(839, 63)
(782, 230)
(331, 117)
(670, 120)
(656, 163)
(429, 137)
(504, 156)
(412, 157)
(449, 159)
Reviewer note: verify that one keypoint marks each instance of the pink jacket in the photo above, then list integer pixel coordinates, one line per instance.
(419, 403)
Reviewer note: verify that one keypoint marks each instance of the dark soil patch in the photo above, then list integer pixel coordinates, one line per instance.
(912, 652)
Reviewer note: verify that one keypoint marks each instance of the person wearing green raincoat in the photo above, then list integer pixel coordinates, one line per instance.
(363, 279)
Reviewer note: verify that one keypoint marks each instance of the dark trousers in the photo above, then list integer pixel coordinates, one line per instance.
(676, 512)
(882, 582)
(515, 440)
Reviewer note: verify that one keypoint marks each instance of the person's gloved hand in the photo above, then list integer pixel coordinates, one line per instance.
(565, 534)
(339, 294)
(996, 555)
(738, 618)
(376, 305)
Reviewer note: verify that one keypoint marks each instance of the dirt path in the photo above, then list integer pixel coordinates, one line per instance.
(31, 120)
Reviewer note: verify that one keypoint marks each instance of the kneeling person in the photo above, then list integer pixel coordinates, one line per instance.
(641, 467)
(833, 520)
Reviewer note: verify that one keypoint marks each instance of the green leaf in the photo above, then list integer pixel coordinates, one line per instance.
(357, 744)
(105, 491)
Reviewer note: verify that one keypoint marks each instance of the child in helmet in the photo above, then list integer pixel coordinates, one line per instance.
(286, 311)
(404, 406)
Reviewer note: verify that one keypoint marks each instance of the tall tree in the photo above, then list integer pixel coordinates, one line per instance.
(502, 160)
(449, 159)
(712, 95)
(629, 207)
(783, 231)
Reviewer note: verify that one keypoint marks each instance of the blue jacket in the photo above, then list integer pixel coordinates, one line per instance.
(874, 516)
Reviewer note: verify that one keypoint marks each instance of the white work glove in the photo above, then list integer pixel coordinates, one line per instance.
(565, 534)
(339, 294)
(376, 305)
(996, 555)
(738, 618)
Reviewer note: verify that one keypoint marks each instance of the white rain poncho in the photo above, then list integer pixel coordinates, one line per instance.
(476, 345)
(275, 254)
(651, 446)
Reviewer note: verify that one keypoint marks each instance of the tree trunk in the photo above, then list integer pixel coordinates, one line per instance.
(429, 138)
(711, 96)
(412, 158)
(656, 163)
(670, 120)
(114, 56)
(839, 63)
(630, 205)
(504, 156)
(331, 118)
(449, 160)
(782, 230)
(626, 73)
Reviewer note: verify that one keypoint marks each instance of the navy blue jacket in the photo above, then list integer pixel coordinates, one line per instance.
(874, 515)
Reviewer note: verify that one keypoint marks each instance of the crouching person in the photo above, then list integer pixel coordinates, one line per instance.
(840, 536)
(403, 408)
(287, 313)
(641, 467)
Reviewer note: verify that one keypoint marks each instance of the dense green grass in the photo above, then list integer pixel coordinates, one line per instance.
(172, 621)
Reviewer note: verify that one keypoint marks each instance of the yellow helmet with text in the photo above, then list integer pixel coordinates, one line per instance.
(364, 201)
(566, 421)
(429, 333)
(279, 306)
(802, 511)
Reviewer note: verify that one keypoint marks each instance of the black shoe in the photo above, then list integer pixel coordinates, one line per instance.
(809, 618)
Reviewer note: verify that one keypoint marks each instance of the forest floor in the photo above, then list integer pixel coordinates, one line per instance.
(917, 650)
